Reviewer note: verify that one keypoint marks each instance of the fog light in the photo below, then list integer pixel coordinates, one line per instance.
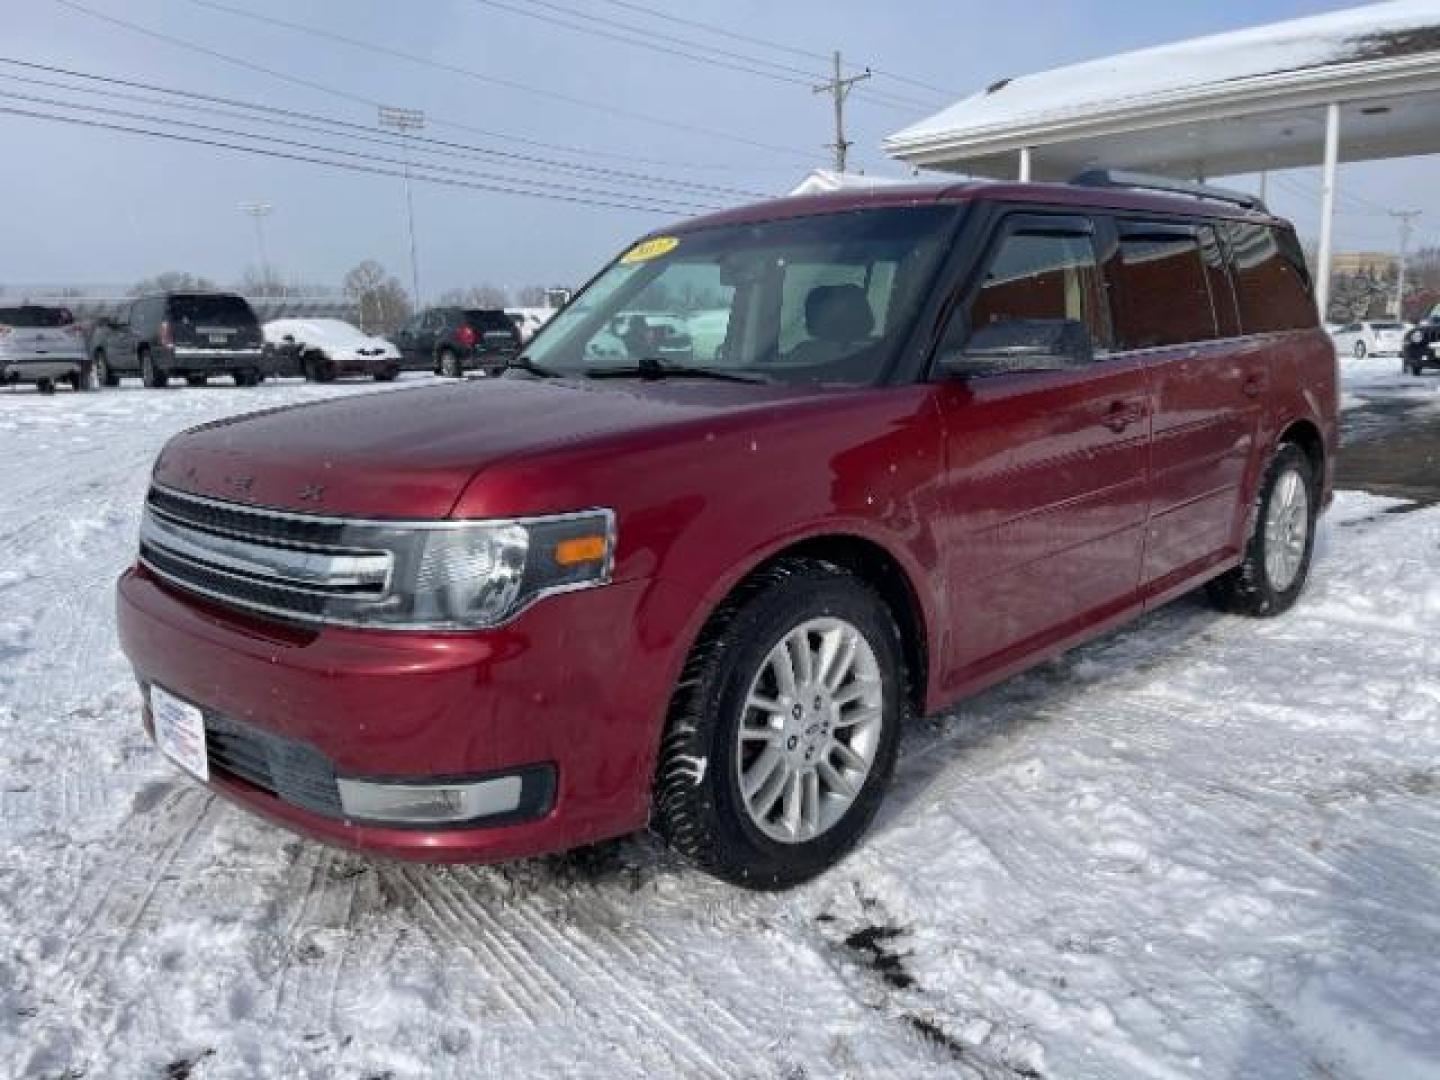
(431, 804)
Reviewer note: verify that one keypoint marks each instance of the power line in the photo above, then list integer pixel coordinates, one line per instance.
(508, 187)
(432, 64)
(288, 118)
(735, 35)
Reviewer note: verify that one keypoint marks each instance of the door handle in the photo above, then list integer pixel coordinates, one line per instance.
(1121, 415)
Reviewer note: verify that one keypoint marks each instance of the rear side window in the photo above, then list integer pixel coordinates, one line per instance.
(226, 310)
(1163, 292)
(31, 316)
(1270, 279)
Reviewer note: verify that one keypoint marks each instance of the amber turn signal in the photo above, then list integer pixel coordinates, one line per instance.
(580, 549)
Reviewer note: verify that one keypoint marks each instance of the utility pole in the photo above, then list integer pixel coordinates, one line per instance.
(839, 87)
(405, 121)
(260, 211)
(1405, 217)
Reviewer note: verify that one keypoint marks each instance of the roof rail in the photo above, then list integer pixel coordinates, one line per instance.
(1117, 178)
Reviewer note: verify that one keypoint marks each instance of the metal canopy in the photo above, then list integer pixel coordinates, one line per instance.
(1355, 85)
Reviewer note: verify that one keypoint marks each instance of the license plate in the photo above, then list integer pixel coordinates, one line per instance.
(180, 732)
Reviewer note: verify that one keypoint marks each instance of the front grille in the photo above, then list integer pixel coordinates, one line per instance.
(291, 771)
(262, 560)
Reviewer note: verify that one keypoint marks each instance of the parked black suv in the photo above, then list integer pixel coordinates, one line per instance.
(1422, 344)
(194, 335)
(451, 340)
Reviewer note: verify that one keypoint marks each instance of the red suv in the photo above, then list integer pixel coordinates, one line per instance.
(924, 439)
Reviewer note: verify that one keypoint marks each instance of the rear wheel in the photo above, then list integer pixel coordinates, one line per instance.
(782, 734)
(45, 386)
(249, 377)
(387, 375)
(450, 365)
(317, 367)
(150, 374)
(196, 380)
(1277, 558)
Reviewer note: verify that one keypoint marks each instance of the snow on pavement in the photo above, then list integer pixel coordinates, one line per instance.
(1200, 847)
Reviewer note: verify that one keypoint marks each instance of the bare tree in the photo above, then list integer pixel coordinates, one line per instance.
(477, 296)
(173, 281)
(264, 282)
(530, 296)
(381, 300)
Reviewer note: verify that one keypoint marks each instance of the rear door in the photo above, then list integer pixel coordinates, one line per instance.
(1176, 311)
(1046, 479)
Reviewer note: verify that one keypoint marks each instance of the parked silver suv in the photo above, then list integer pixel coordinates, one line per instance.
(42, 345)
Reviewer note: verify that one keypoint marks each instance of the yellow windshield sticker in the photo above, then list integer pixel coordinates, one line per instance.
(650, 249)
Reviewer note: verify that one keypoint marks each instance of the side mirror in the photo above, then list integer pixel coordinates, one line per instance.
(1014, 345)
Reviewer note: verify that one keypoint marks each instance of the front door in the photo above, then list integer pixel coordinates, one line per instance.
(1047, 462)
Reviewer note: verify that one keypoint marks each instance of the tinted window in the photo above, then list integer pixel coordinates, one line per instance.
(225, 310)
(1034, 280)
(1270, 280)
(1222, 288)
(482, 319)
(1164, 298)
(32, 316)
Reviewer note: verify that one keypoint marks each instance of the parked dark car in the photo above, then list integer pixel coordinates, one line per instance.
(1422, 344)
(44, 346)
(189, 335)
(952, 432)
(451, 341)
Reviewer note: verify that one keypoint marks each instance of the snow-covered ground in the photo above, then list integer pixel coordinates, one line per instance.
(1201, 847)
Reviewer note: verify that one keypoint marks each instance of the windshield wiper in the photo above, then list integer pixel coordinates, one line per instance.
(654, 367)
(524, 363)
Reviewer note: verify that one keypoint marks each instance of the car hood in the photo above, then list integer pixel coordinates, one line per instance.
(410, 453)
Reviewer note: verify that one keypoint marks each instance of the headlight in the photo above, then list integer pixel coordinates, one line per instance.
(471, 575)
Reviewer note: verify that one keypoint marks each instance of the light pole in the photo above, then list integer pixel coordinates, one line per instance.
(405, 121)
(1406, 219)
(259, 211)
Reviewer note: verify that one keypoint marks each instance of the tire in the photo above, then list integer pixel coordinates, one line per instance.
(701, 808)
(388, 375)
(317, 368)
(150, 375)
(450, 364)
(1253, 587)
(196, 380)
(247, 378)
(1359, 350)
(104, 376)
(45, 386)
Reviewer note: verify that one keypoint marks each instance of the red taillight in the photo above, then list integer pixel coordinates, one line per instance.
(466, 334)
(165, 338)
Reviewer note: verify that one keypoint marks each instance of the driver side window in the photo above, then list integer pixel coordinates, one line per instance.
(1040, 295)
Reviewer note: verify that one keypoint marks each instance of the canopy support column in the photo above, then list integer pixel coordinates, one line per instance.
(1327, 207)
(1024, 164)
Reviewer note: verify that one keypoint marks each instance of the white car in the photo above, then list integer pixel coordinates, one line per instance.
(1361, 339)
(529, 320)
(321, 349)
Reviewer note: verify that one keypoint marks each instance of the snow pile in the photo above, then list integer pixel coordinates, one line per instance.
(1179, 69)
(1201, 847)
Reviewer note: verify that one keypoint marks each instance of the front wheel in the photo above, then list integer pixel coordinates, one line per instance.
(781, 737)
(1277, 558)
(450, 365)
(101, 368)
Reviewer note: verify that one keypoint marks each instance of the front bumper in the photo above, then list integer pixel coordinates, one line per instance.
(546, 692)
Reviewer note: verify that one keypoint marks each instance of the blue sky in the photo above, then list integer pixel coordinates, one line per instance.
(94, 206)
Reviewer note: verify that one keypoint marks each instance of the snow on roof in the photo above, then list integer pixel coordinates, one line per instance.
(1370, 33)
(823, 181)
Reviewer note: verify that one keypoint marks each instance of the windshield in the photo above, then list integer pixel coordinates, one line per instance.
(817, 299)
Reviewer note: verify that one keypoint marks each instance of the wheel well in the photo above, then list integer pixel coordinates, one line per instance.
(877, 567)
(1306, 435)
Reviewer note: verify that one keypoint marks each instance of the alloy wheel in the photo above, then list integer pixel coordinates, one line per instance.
(1287, 530)
(810, 730)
